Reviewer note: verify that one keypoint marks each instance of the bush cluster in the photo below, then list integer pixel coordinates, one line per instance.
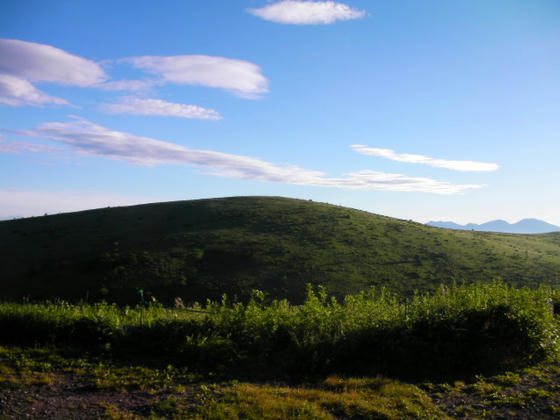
(460, 330)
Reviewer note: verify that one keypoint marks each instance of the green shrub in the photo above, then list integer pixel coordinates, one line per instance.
(461, 330)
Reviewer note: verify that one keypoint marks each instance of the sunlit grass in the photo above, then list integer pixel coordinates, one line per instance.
(367, 398)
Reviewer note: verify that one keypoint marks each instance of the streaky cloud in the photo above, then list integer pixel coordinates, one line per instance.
(18, 147)
(15, 91)
(456, 165)
(239, 77)
(23, 62)
(95, 140)
(45, 63)
(159, 107)
(130, 85)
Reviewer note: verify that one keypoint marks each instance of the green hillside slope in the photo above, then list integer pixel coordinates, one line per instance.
(203, 248)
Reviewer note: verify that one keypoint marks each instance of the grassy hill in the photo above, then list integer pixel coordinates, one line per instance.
(200, 249)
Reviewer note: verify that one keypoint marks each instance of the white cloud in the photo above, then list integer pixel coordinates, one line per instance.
(22, 147)
(456, 165)
(141, 106)
(36, 203)
(16, 92)
(95, 140)
(23, 63)
(131, 85)
(44, 63)
(242, 78)
(375, 180)
(307, 12)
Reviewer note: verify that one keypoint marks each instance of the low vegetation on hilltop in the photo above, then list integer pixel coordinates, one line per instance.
(200, 249)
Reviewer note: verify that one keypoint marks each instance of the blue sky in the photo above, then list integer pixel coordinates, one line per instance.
(429, 110)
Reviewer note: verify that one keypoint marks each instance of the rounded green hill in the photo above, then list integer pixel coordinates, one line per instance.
(203, 248)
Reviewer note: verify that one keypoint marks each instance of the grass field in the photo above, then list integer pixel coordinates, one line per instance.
(263, 307)
(201, 249)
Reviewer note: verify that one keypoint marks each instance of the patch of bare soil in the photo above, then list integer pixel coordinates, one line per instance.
(72, 398)
(533, 394)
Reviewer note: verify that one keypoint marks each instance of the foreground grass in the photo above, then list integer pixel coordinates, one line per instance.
(46, 383)
(467, 351)
(333, 398)
(175, 393)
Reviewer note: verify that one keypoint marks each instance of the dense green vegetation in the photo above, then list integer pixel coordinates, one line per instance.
(201, 249)
(487, 350)
(460, 330)
(324, 308)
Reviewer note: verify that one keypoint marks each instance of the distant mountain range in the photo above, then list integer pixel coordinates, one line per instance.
(523, 226)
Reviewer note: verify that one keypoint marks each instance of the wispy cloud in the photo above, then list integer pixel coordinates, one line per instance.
(456, 165)
(142, 106)
(307, 12)
(240, 77)
(23, 62)
(130, 85)
(16, 92)
(44, 63)
(23, 147)
(375, 180)
(95, 140)
(36, 203)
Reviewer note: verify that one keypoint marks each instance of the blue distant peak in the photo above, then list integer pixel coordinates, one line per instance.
(523, 226)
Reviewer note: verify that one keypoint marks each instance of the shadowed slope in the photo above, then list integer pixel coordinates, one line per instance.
(200, 249)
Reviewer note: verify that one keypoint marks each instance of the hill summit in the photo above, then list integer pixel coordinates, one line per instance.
(201, 249)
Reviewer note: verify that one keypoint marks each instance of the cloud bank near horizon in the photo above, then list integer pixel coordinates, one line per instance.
(456, 165)
(295, 12)
(91, 139)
